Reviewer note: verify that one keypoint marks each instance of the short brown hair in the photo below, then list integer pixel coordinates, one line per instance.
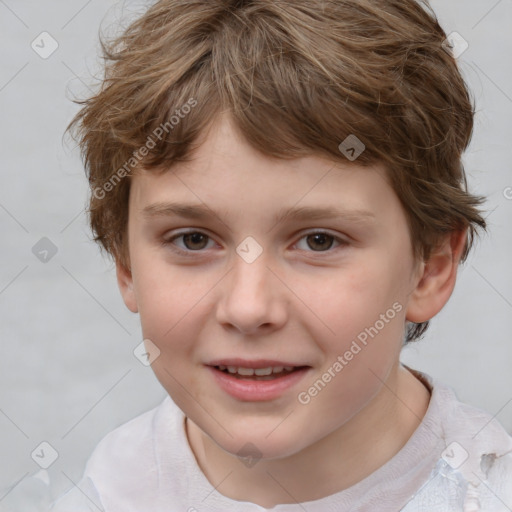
(297, 77)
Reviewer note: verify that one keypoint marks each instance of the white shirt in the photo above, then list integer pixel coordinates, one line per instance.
(458, 459)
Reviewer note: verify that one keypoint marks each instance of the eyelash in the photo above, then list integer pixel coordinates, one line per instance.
(168, 242)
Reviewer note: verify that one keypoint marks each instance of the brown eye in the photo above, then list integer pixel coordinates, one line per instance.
(193, 241)
(319, 241)
(196, 241)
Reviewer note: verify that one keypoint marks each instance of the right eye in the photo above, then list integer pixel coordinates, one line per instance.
(194, 241)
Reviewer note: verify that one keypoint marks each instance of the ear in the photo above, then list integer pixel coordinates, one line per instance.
(125, 283)
(437, 279)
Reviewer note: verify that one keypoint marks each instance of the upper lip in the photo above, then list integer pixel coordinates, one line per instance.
(255, 363)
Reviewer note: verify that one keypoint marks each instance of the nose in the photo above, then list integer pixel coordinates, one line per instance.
(253, 298)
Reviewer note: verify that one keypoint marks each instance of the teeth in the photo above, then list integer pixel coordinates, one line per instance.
(245, 371)
(261, 372)
(264, 371)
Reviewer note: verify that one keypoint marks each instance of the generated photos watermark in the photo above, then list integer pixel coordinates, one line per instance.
(138, 156)
(305, 397)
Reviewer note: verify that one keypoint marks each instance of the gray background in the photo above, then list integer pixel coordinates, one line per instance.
(68, 374)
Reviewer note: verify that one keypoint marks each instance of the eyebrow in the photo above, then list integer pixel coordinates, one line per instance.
(202, 212)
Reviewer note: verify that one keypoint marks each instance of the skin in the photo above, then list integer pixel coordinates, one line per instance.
(304, 299)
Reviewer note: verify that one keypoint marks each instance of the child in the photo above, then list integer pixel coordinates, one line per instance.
(257, 130)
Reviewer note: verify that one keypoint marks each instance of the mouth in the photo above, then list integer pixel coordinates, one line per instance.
(256, 381)
(257, 374)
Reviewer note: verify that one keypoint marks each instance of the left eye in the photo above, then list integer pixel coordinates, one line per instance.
(321, 240)
(195, 241)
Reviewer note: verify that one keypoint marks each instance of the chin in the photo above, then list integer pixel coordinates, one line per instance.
(261, 446)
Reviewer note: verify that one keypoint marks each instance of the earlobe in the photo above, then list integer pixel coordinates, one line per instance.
(125, 283)
(437, 279)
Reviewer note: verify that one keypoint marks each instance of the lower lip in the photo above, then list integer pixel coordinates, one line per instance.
(256, 390)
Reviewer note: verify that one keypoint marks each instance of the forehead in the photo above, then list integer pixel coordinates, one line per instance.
(226, 174)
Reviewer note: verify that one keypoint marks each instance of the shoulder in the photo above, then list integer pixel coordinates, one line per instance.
(124, 463)
(476, 446)
(130, 445)
(476, 437)
(475, 429)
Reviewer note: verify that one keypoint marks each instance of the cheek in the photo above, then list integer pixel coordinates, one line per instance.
(166, 296)
(361, 332)
(353, 372)
(351, 301)
(171, 317)
(172, 314)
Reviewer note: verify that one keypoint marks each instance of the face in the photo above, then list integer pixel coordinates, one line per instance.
(248, 286)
